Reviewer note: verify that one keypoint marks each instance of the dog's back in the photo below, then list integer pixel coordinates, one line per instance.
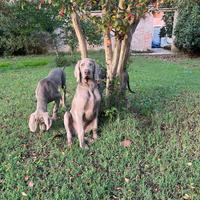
(57, 75)
(47, 88)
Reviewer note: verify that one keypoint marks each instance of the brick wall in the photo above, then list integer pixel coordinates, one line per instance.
(142, 37)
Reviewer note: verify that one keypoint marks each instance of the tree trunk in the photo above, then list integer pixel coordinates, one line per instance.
(108, 52)
(173, 47)
(116, 55)
(124, 55)
(118, 42)
(108, 56)
(116, 62)
(79, 34)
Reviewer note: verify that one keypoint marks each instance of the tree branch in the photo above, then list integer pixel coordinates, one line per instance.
(79, 34)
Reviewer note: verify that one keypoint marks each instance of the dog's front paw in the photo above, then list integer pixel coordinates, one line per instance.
(84, 146)
(69, 144)
(95, 136)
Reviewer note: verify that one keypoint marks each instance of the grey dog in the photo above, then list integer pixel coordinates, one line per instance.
(47, 91)
(83, 116)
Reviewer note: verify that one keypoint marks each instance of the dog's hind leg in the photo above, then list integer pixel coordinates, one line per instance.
(55, 108)
(64, 97)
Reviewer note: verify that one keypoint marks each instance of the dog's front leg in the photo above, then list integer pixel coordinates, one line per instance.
(81, 132)
(94, 128)
(55, 108)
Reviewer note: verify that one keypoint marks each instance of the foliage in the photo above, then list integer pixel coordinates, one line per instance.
(187, 30)
(90, 31)
(168, 28)
(27, 30)
(63, 60)
(162, 122)
(111, 113)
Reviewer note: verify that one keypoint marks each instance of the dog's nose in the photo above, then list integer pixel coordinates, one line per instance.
(87, 72)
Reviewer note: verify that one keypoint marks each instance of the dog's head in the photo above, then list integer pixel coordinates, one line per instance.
(86, 69)
(40, 121)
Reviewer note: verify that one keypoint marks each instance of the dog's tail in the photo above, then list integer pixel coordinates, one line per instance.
(128, 84)
(129, 88)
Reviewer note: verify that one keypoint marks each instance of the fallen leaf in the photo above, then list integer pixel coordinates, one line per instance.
(26, 178)
(186, 197)
(192, 186)
(24, 194)
(126, 143)
(127, 180)
(30, 184)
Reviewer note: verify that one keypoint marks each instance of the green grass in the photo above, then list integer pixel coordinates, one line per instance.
(24, 62)
(163, 122)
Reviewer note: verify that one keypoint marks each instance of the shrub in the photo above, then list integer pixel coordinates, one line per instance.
(187, 30)
(168, 28)
(63, 60)
(25, 31)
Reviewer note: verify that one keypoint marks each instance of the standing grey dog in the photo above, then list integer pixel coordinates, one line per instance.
(47, 91)
(83, 116)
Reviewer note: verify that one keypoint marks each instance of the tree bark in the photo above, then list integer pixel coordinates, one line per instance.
(116, 55)
(173, 47)
(108, 57)
(125, 47)
(118, 41)
(79, 34)
(116, 62)
(124, 54)
(108, 52)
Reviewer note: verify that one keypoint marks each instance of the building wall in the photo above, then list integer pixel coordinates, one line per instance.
(142, 38)
(157, 19)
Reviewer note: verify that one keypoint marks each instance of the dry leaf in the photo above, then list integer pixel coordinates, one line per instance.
(30, 184)
(119, 188)
(126, 143)
(127, 180)
(26, 178)
(192, 186)
(24, 194)
(186, 197)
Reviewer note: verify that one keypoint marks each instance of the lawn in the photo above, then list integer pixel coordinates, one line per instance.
(162, 119)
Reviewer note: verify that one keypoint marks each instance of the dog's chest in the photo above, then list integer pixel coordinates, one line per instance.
(92, 104)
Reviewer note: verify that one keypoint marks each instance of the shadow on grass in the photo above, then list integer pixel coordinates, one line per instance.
(143, 106)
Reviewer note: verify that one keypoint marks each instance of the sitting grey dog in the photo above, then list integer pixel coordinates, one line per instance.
(48, 90)
(83, 116)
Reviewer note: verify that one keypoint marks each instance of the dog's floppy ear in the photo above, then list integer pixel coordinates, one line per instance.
(77, 72)
(47, 120)
(97, 72)
(33, 122)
